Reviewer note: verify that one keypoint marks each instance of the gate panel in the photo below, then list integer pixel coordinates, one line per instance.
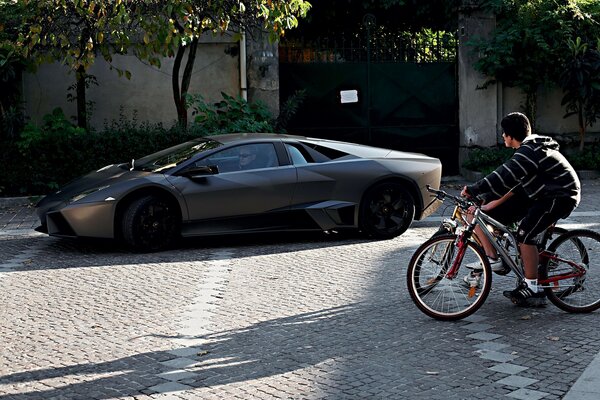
(407, 97)
(322, 114)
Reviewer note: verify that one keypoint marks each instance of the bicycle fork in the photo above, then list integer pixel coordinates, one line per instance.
(461, 245)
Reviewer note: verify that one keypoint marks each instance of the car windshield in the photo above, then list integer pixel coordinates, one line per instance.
(173, 156)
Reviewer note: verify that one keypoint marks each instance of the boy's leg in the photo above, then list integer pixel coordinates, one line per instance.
(541, 215)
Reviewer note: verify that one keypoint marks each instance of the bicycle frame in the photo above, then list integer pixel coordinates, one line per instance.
(483, 220)
(553, 281)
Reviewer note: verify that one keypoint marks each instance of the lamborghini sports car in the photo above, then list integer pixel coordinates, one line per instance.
(245, 183)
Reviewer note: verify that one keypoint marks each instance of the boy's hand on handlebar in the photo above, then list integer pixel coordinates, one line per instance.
(469, 196)
(465, 193)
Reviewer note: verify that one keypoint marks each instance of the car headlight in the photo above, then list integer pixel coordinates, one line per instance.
(87, 193)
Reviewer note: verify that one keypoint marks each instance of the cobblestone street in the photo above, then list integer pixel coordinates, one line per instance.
(272, 317)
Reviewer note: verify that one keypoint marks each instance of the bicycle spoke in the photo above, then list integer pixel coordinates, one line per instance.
(437, 294)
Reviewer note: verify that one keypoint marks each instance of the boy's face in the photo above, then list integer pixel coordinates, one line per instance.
(508, 140)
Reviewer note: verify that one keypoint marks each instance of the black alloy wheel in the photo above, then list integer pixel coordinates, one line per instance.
(387, 211)
(150, 224)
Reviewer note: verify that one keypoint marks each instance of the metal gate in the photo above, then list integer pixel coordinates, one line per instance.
(397, 92)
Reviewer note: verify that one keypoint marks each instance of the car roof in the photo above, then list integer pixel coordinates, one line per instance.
(356, 149)
(236, 137)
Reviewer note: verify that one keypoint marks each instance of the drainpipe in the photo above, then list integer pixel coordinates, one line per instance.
(243, 79)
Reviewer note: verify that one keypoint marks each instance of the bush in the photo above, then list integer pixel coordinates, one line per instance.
(232, 114)
(588, 159)
(486, 160)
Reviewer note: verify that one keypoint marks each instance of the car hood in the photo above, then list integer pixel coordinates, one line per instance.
(107, 176)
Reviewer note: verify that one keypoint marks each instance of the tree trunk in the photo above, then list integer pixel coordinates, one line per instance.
(187, 72)
(582, 124)
(81, 100)
(179, 104)
(180, 91)
(531, 107)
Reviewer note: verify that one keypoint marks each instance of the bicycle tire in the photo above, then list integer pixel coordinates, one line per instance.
(574, 294)
(437, 295)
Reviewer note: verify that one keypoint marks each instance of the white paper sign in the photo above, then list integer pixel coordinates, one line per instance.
(348, 96)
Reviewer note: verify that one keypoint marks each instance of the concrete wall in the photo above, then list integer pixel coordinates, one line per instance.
(149, 91)
(549, 118)
(478, 109)
(263, 71)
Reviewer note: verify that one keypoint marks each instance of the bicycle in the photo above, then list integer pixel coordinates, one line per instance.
(436, 287)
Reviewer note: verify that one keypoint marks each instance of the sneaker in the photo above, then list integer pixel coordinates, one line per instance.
(472, 279)
(525, 297)
(497, 265)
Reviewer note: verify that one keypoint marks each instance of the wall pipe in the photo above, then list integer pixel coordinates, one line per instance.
(243, 67)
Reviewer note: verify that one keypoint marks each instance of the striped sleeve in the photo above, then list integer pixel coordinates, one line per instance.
(521, 166)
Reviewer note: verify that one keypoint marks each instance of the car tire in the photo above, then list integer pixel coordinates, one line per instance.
(150, 224)
(387, 210)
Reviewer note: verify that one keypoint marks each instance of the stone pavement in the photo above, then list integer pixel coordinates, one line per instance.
(294, 317)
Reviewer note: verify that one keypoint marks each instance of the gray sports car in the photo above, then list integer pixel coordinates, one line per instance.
(242, 183)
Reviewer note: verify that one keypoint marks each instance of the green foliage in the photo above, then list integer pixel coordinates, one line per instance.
(232, 114)
(487, 159)
(586, 159)
(288, 109)
(329, 18)
(528, 46)
(11, 65)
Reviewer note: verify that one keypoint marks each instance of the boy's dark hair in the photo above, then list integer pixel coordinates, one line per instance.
(516, 125)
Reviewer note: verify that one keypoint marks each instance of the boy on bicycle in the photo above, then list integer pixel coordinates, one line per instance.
(549, 182)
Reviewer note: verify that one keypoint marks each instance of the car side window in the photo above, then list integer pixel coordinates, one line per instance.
(243, 157)
(296, 155)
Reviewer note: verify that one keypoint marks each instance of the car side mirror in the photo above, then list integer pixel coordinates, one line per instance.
(201, 171)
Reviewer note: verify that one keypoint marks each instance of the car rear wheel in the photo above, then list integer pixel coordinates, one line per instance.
(387, 211)
(150, 224)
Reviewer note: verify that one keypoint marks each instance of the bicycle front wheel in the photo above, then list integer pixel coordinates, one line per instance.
(435, 278)
(566, 275)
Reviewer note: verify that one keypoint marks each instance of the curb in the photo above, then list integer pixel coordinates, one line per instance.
(17, 201)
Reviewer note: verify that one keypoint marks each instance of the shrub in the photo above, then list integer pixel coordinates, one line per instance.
(232, 114)
(486, 160)
(588, 159)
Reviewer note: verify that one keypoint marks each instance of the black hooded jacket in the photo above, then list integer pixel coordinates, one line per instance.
(538, 167)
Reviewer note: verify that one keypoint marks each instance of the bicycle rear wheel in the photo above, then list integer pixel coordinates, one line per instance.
(437, 287)
(566, 279)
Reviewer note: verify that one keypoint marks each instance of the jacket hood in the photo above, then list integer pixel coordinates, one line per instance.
(543, 141)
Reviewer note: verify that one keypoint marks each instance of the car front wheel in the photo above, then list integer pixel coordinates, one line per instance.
(387, 211)
(150, 224)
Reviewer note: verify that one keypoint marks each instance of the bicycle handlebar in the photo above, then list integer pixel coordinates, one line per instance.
(460, 201)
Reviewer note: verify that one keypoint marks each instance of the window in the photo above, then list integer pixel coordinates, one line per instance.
(296, 155)
(243, 157)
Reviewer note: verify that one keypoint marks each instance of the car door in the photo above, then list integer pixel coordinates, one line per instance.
(234, 199)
